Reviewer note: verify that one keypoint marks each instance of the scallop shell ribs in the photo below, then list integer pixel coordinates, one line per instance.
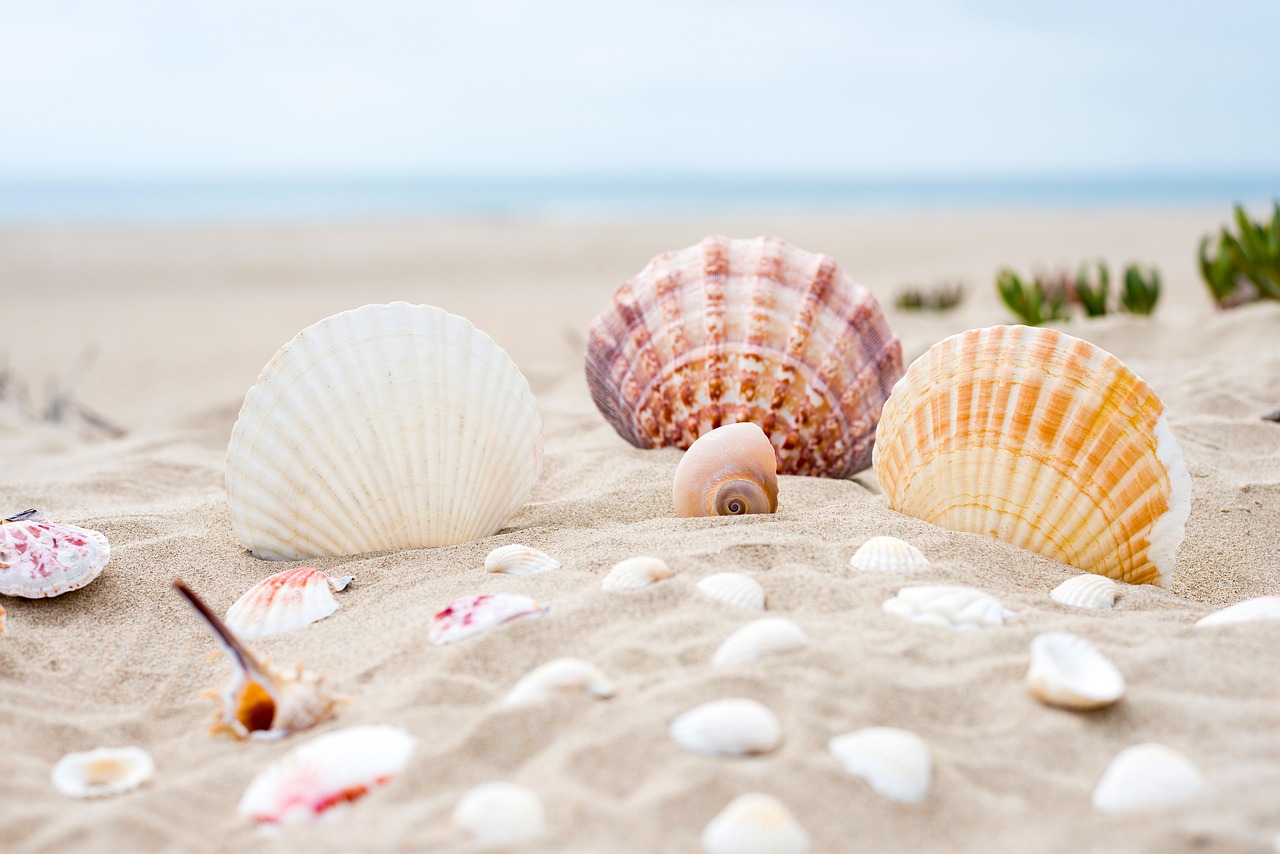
(746, 330)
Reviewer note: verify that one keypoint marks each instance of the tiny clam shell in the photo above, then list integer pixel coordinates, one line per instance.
(102, 772)
(949, 606)
(285, 601)
(733, 588)
(755, 823)
(40, 559)
(497, 814)
(888, 554)
(471, 615)
(560, 677)
(519, 560)
(1086, 591)
(896, 763)
(733, 727)
(1147, 776)
(759, 639)
(1068, 671)
(636, 573)
(1261, 608)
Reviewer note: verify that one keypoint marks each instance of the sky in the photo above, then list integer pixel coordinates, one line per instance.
(129, 89)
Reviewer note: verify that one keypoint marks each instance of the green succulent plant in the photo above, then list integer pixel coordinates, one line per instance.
(941, 297)
(1093, 296)
(1141, 290)
(1247, 266)
(1034, 302)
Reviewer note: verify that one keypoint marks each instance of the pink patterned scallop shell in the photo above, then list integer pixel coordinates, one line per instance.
(285, 601)
(746, 330)
(39, 558)
(471, 615)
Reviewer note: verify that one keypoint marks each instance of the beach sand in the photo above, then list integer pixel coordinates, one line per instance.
(181, 321)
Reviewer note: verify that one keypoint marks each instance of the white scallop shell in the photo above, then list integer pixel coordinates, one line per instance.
(1147, 776)
(755, 824)
(328, 771)
(285, 601)
(471, 615)
(888, 554)
(1086, 591)
(384, 427)
(636, 573)
(1068, 671)
(896, 763)
(733, 588)
(949, 606)
(40, 559)
(519, 560)
(497, 814)
(759, 639)
(559, 677)
(101, 772)
(1261, 608)
(733, 727)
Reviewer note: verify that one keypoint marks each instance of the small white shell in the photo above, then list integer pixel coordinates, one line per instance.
(888, 554)
(733, 588)
(760, 639)
(497, 814)
(949, 606)
(755, 824)
(519, 560)
(559, 677)
(101, 772)
(1068, 671)
(285, 601)
(471, 615)
(1147, 776)
(636, 573)
(1261, 608)
(896, 763)
(733, 727)
(1086, 591)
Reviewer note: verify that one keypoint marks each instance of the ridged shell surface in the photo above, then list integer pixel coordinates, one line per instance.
(560, 677)
(888, 554)
(1261, 608)
(755, 823)
(733, 727)
(519, 560)
(895, 762)
(733, 588)
(285, 601)
(948, 606)
(1086, 591)
(1042, 440)
(1068, 671)
(746, 330)
(102, 772)
(384, 427)
(1145, 777)
(635, 573)
(40, 559)
(472, 615)
(500, 814)
(759, 639)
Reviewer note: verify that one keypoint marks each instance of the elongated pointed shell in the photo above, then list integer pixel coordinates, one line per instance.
(39, 558)
(1086, 591)
(733, 588)
(755, 824)
(102, 772)
(948, 606)
(384, 427)
(1068, 671)
(1147, 776)
(729, 471)
(519, 560)
(498, 814)
(285, 601)
(896, 763)
(733, 727)
(560, 677)
(472, 615)
(746, 330)
(888, 554)
(635, 573)
(1261, 608)
(1041, 440)
(759, 639)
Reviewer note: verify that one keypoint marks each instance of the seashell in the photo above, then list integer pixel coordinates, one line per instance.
(733, 588)
(1261, 608)
(1147, 776)
(949, 606)
(1068, 671)
(733, 727)
(285, 601)
(260, 701)
(102, 772)
(1086, 591)
(635, 573)
(746, 330)
(39, 558)
(888, 554)
(1041, 440)
(755, 824)
(472, 615)
(384, 427)
(897, 763)
(558, 677)
(728, 471)
(519, 560)
(497, 814)
(759, 639)
(1, 620)
(330, 770)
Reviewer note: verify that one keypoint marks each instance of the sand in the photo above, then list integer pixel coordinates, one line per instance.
(182, 319)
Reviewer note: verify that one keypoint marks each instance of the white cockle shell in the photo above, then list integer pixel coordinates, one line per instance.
(102, 772)
(40, 559)
(895, 762)
(285, 601)
(755, 823)
(1086, 591)
(1068, 671)
(760, 639)
(733, 727)
(950, 606)
(1147, 776)
(635, 573)
(733, 588)
(888, 554)
(519, 560)
(383, 427)
(560, 677)
(500, 814)
(471, 615)
(1261, 608)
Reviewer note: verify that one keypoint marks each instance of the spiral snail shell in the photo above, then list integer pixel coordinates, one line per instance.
(728, 471)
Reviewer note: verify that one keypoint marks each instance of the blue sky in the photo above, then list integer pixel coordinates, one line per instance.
(319, 88)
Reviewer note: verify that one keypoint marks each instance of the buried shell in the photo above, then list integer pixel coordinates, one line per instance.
(733, 588)
(559, 677)
(285, 601)
(746, 330)
(895, 762)
(519, 560)
(497, 814)
(102, 772)
(384, 427)
(1261, 608)
(888, 554)
(635, 573)
(471, 615)
(330, 770)
(733, 727)
(1086, 591)
(729, 471)
(39, 558)
(1068, 671)
(755, 823)
(1147, 776)
(1041, 440)
(759, 639)
(949, 606)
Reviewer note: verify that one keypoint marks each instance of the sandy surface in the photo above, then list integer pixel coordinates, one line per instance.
(181, 321)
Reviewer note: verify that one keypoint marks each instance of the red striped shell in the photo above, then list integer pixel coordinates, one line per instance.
(39, 558)
(746, 330)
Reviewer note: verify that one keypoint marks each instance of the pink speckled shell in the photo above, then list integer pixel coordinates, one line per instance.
(472, 615)
(39, 558)
(746, 330)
